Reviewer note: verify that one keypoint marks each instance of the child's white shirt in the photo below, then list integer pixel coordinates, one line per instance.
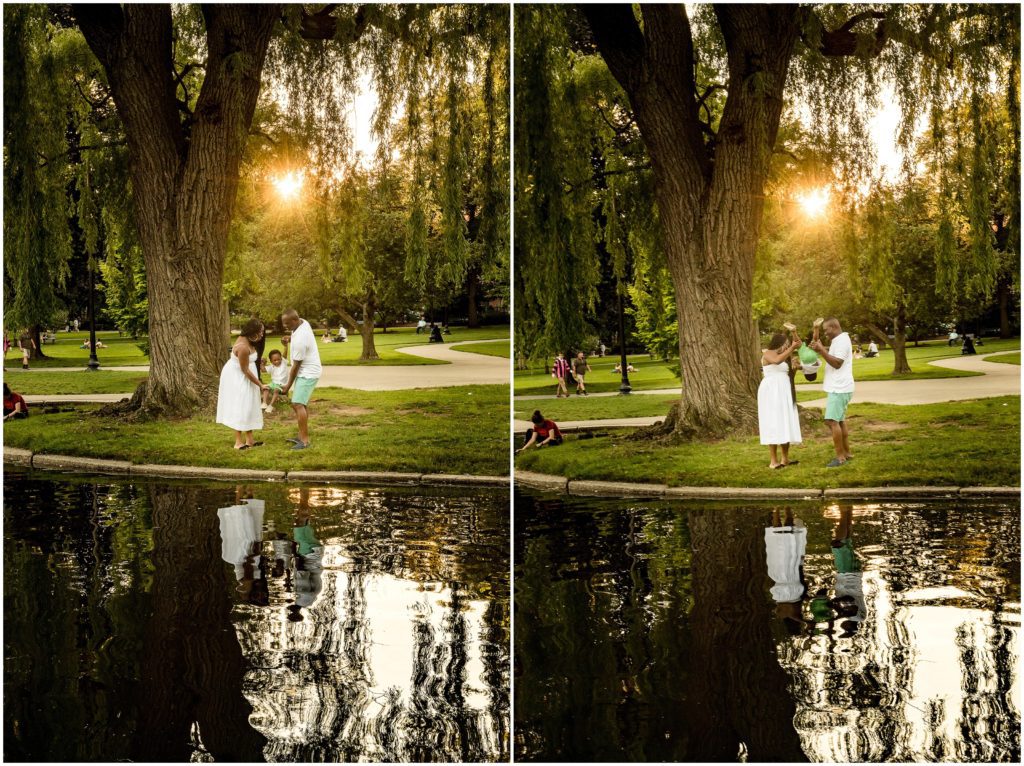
(279, 372)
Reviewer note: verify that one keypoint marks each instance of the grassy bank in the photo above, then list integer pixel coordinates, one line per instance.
(495, 348)
(444, 430)
(601, 407)
(963, 443)
(99, 382)
(1012, 358)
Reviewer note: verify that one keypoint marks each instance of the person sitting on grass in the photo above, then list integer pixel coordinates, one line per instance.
(278, 369)
(629, 367)
(15, 406)
(872, 350)
(544, 433)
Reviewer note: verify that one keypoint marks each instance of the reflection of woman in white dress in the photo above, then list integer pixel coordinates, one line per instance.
(240, 397)
(240, 527)
(777, 415)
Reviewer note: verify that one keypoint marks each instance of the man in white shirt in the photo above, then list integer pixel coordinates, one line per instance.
(838, 386)
(305, 372)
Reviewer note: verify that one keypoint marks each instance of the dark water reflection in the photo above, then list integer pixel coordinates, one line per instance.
(152, 621)
(650, 631)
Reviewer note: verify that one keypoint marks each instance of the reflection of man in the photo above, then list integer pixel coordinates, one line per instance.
(838, 386)
(849, 600)
(785, 543)
(308, 554)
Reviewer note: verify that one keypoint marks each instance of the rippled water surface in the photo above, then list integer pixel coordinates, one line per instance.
(173, 622)
(653, 631)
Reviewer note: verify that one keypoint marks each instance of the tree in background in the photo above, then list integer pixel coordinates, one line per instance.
(185, 82)
(707, 94)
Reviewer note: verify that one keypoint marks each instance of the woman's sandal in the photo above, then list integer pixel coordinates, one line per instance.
(242, 447)
(791, 462)
(256, 444)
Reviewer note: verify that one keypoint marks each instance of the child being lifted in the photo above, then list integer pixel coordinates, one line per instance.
(809, 362)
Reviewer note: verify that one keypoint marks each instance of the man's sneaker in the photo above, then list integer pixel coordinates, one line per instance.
(300, 445)
(789, 326)
(835, 463)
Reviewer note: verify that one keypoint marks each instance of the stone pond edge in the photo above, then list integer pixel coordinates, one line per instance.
(45, 461)
(545, 482)
(580, 488)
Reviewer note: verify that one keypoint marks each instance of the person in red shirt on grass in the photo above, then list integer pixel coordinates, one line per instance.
(543, 434)
(14, 404)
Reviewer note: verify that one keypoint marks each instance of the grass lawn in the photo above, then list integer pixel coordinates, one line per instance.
(99, 382)
(649, 374)
(442, 430)
(387, 343)
(67, 352)
(601, 407)
(497, 348)
(956, 443)
(1011, 358)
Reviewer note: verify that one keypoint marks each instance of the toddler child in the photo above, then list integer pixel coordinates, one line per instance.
(809, 362)
(279, 370)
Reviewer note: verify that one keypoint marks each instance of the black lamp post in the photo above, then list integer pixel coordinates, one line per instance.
(94, 363)
(624, 387)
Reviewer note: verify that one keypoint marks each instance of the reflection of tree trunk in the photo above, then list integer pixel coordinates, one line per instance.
(737, 693)
(193, 667)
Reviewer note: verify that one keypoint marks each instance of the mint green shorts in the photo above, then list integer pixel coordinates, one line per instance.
(303, 389)
(835, 406)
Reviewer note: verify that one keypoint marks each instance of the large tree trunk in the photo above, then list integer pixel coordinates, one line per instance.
(710, 198)
(184, 186)
(366, 330)
(899, 345)
(37, 337)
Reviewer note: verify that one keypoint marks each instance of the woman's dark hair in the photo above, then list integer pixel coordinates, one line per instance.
(778, 341)
(537, 417)
(251, 328)
(7, 390)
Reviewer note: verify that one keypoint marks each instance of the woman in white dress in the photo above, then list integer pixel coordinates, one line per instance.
(240, 397)
(777, 415)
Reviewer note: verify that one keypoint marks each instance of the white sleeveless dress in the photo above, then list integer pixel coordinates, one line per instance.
(777, 415)
(239, 400)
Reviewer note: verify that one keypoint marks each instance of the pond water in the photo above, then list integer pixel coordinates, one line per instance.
(174, 622)
(650, 631)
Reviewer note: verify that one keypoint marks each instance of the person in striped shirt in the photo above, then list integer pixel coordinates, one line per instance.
(559, 372)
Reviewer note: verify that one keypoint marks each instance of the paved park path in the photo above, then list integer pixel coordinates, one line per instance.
(463, 369)
(997, 380)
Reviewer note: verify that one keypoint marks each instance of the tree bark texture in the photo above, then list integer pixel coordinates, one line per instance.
(184, 182)
(710, 195)
(366, 330)
(472, 292)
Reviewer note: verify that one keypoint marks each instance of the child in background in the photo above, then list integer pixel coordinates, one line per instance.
(279, 370)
